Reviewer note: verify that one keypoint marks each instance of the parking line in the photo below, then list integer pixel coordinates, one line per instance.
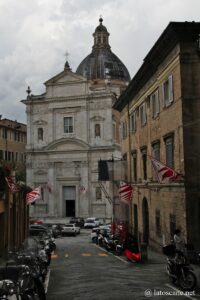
(86, 254)
(102, 254)
(109, 253)
(177, 290)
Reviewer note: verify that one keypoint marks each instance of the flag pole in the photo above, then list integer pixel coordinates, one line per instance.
(113, 200)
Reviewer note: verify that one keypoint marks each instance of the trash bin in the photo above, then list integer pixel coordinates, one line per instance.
(144, 252)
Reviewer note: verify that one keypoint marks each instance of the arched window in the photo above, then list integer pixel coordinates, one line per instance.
(97, 130)
(40, 134)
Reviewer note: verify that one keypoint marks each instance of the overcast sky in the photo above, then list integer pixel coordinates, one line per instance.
(36, 34)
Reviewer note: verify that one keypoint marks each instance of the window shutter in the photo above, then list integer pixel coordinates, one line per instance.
(162, 94)
(157, 103)
(152, 105)
(145, 113)
(171, 94)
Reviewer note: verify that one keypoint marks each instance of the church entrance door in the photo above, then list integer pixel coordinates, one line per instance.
(69, 195)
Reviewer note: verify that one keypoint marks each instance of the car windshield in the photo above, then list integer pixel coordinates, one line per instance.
(90, 221)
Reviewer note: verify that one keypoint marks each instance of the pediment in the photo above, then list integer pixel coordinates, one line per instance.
(97, 119)
(67, 144)
(40, 122)
(40, 172)
(67, 76)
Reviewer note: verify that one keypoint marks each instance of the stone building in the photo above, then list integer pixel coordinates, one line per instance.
(160, 116)
(12, 140)
(70, 128)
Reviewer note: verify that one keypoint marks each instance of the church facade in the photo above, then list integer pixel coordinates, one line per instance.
(70, 128)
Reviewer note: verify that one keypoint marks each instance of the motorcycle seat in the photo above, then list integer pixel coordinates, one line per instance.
(11, 272)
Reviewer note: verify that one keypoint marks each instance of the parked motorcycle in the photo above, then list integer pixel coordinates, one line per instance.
(178, 269)
(19, 283)
(181, 272)
(8, 290)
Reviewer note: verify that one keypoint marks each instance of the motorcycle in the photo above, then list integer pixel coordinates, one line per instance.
(18, 282)
(180, 271)
(8, 290)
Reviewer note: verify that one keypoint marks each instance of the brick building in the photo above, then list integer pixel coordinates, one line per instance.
(160, 116)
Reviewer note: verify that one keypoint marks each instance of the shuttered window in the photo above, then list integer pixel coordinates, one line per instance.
(134, 166)
(156, 150)
(143, 115)
(133, 121)
(144, 160)
(155, 104)
(167, 87)
(169, 148)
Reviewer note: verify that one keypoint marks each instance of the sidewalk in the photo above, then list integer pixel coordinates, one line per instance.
(155, 257)
(159, 258)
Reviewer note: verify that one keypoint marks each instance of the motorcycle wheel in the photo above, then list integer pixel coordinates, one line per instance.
(118, 252)
(38, 292)
(54, 247)
(189, 282)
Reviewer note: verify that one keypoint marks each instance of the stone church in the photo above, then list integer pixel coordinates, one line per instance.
(70, 127)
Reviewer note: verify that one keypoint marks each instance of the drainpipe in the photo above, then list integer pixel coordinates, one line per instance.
(130, 169)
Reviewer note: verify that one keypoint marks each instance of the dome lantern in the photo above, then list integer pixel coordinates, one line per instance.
(102, 63)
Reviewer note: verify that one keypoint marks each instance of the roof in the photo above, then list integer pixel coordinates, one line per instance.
(175, 32)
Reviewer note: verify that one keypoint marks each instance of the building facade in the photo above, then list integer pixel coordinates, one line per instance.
(70, 128)
(13, 208)
(12, 141)
(160, 116)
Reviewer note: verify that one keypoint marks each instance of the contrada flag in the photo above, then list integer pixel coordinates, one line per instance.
(82, 189)
(33, 196)
(125, 192)
(11, 184)
(164, 173)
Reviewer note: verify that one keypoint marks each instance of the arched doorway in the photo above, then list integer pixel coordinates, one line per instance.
(145, 218)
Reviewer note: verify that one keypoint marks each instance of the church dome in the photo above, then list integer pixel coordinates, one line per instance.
(102, 63)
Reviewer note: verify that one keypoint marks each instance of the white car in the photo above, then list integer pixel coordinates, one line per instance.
(72, 229)
(91, 223)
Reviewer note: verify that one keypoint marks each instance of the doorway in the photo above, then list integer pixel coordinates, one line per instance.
(135, 211)
(145, 215)
(69, 197)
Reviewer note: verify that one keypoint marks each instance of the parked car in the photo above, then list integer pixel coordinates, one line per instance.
(37, 229)
(91, 223)
(78, 221)
(71, 229)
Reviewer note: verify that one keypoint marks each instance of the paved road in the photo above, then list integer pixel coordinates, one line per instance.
(82, 270)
